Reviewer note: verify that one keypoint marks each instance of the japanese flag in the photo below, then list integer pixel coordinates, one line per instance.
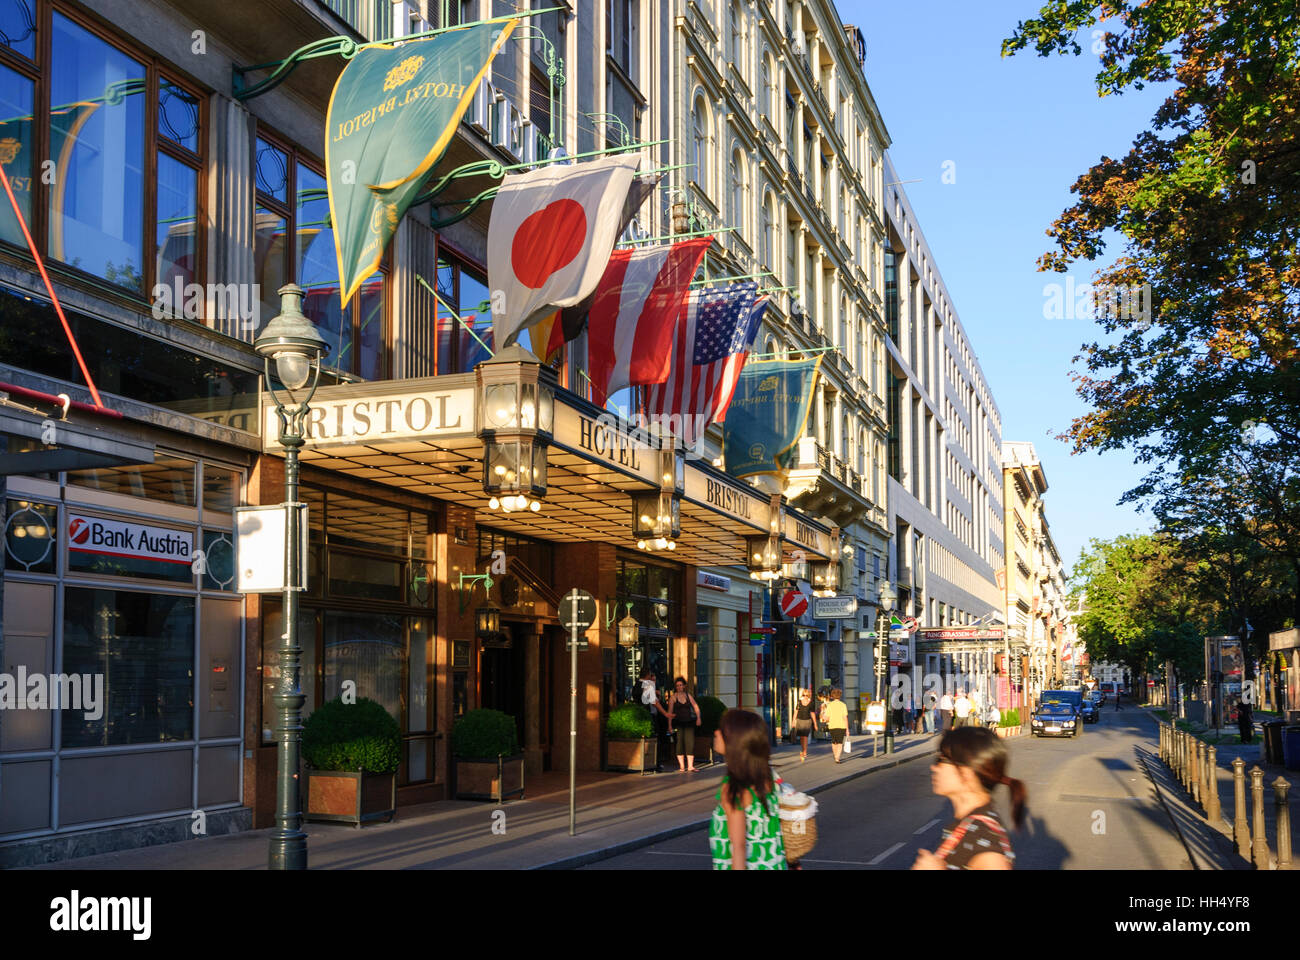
(550, 236)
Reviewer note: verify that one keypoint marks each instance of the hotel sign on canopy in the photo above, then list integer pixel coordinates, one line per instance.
(367, 420)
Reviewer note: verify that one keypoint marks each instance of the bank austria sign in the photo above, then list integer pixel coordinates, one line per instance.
(117, 538)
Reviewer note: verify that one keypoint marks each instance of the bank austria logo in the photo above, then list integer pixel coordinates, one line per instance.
(140, 541)
(77, 914)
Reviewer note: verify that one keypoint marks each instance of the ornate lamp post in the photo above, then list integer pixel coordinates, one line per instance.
(886, 596)
(291, 340)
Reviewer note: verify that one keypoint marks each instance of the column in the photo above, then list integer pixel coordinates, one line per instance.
(231, 185)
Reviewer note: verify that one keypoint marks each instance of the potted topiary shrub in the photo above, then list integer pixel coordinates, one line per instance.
(489, 763)
(629, 740)
(1009, 724)
(711, 711)
(351, 751)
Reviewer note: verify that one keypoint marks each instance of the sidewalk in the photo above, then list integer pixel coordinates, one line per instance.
(616, 813)
(1211, 845)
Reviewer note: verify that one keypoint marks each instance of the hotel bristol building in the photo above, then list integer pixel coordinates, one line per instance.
(118, 519)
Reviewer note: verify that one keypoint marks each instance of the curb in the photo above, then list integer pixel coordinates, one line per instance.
(627, 846)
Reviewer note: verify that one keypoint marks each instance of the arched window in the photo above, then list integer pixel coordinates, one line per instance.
(700, 136)
(846, 441)
(767, 102)
(737, 173)
(770, 348)
(844, 328)
(769, 231)
(862, 452)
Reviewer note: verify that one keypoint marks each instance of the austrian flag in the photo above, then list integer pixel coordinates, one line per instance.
(634, 314)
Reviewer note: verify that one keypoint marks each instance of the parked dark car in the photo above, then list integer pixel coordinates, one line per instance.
(1099, 697)
(1088, 710)
(1055, 720)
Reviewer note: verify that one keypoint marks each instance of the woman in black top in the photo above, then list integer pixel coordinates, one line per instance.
(805, 722)
(970, 763)
(685, 718)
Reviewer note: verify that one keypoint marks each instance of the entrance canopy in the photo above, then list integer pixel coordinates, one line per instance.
(34, 442)
(419, 435)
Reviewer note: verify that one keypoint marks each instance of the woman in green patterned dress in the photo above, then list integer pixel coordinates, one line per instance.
(745, 832)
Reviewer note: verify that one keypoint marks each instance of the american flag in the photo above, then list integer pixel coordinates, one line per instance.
(710, 347)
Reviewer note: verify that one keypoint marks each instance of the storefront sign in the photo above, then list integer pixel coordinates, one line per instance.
(116, 538)
(835, 608)
(959, 633)
(804, 535)
(385, 417)
(726, 499)
(1284, 640)
(714, 582)
(897, 653)
(608, 439)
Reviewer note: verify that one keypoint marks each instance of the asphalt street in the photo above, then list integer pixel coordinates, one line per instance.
(1091, 806)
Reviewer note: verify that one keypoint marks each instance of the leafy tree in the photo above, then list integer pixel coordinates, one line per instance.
(1207, 202)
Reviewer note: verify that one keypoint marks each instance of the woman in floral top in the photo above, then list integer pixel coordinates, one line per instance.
(745, 832)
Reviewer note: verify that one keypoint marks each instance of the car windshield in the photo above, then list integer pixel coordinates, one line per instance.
(1056, 709)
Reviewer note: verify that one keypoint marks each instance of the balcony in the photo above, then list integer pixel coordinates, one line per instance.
(822, 484)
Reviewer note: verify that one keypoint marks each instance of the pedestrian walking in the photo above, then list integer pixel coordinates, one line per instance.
(909, 715)
(805, 722)
(972, 761)
(1116, 696)
(945, 712)
(684, 718)
(961, 710)
(993, 717)
(745, 831)
(659, 717)
(1245, 722)
(837, 722)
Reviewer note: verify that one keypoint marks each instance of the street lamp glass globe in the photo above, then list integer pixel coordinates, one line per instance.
(292, 368)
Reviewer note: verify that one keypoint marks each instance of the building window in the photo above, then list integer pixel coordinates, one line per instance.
(700, 140)
(464, 320)
(703, 652)
(767, 92)
(891, 294)
(769, 232)
(295, 244)
(105, 216)
(737, 172)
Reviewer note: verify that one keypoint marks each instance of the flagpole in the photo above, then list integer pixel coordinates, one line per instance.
(450, 309)
(680, 236)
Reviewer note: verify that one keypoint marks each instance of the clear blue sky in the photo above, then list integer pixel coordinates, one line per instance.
(1020, 131)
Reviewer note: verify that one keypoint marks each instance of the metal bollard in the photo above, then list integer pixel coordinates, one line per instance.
(1240, 831)
(1212, 810)
(1280, 788)
(1198, 750)
(1259, 845)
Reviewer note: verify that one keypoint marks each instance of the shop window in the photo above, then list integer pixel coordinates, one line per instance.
(368, 649)
(220, 489)
(141, 646)
(367, 525)
(703, 652)
(366, 578)
(31, 536)
(295, 243)
(166, 480)
(218, 560)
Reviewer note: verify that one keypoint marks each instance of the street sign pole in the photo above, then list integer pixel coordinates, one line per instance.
(573, 711)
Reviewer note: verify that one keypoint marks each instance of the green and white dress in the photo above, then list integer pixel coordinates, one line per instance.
(764, 847)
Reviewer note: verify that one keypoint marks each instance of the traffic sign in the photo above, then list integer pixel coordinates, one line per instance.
(577, 610)
(794, 604)
(909, 623)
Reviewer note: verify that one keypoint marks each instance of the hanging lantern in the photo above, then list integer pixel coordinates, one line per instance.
(629, 631)
(514, 416)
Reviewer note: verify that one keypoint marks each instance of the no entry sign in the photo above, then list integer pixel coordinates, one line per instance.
(794, 604)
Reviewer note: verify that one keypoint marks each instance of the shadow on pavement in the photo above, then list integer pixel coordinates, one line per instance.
(1037, 848)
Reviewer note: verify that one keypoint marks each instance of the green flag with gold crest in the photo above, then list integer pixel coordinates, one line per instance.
(393, 111)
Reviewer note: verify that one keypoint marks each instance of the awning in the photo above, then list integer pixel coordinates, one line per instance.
(37, 443)
(418, 435)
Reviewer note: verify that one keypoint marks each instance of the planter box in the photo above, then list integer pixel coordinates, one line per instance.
(704, 748)
(499, 779)
(350, 796)
(632, 756)
(1008, 731)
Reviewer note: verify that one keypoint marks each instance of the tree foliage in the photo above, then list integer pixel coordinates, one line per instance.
(1207, 202)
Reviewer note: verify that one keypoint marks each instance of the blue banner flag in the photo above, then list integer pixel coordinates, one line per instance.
(767, 416)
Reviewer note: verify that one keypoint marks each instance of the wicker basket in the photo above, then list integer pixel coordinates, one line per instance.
(798, 825)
